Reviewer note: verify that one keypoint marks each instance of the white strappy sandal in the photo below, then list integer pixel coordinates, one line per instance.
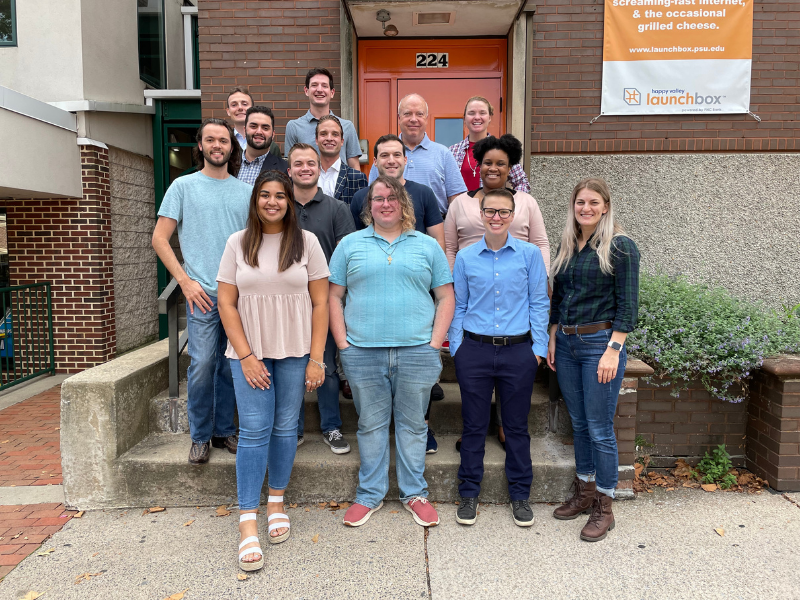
(284, 536)
(256, 564)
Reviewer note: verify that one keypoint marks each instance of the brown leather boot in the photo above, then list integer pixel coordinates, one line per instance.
(579, 503)
(601, 520)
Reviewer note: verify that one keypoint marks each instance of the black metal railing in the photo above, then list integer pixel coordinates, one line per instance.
(168, 303)
(26, 333)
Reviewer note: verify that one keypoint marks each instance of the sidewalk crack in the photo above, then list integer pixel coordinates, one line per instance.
(427, 564)
(784, 496)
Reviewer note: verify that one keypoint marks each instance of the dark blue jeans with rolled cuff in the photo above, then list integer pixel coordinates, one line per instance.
(591, 405)
(211, 404)
(479, 368)
(330, 417)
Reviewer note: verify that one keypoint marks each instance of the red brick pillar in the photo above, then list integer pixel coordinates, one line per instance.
(773, 426)
(67, 241)
(625, 420)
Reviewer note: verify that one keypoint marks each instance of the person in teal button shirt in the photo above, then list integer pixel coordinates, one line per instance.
(389, 335)
(498, 338)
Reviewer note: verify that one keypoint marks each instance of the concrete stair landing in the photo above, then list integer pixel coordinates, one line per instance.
(158, 468)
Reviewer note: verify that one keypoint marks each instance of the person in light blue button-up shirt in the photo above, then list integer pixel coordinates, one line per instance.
(389, 335)
(498, 338)
(428, 163)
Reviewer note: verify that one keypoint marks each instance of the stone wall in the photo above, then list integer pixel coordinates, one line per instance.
(721, 219)
(132, 222)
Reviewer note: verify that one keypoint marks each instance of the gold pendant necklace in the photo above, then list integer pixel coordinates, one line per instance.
(388, 254)
(469, 165)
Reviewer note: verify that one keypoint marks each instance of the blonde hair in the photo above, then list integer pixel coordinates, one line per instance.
(607, 229)
(479, 99)
(407, 221)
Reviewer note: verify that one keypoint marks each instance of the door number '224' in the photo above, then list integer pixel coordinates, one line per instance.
(433, 60)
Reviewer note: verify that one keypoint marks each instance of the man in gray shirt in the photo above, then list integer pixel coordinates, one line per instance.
(330, 220)
(320, 92)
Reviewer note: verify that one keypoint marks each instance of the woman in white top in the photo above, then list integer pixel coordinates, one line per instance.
(273, 302)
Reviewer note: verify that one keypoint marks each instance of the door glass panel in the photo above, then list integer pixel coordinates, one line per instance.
(448, 131)
(180, 143)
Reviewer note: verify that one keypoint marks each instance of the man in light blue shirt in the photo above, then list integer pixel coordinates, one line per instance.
(206, 207)
(320, 92)
(428, 163)
(498, 337)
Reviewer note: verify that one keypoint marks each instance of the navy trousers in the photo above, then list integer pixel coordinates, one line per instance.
(479, 368)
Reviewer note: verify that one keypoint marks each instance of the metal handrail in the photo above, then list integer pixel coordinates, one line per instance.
(168, 305)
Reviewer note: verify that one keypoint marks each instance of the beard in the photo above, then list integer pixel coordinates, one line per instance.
(217, 162)
(258, 145)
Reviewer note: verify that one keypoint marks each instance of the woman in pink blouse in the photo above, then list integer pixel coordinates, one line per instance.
(273, 302)
(463, 225)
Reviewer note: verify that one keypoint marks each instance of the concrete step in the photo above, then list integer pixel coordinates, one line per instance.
(156, 472)
(445, 414)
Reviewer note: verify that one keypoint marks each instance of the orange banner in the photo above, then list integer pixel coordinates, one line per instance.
(678, 29)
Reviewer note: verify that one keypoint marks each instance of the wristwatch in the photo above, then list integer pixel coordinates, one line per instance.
(615, 346)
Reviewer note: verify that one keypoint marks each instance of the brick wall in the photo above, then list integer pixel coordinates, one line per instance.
(567, 71)
(688, 426)
(67, 241)
(773, 427)
(267, 46)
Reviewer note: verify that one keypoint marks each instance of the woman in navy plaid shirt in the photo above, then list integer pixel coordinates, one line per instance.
(594, 306)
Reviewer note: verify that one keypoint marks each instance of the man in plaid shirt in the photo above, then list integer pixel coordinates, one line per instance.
(336, 178)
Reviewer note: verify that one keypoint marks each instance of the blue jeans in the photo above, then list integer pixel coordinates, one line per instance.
(591, 405)
(480, 368)
(327, 393)
(388, 381)
(267, 427)
(211, 401)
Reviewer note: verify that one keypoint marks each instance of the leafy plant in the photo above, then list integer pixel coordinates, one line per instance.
(714, 468)
(690, 331)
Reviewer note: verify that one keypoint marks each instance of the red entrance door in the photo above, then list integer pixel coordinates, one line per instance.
(389, 70)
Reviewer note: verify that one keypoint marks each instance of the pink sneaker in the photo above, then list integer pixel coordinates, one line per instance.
(423, 511)
(358, 514)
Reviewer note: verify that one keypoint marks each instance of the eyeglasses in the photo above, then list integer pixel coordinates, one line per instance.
(381, 200)
(504, 213)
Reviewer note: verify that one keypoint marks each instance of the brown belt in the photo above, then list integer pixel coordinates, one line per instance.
(593, 328)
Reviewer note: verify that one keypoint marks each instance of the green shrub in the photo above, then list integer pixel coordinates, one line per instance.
(689, 331)
(714, 468)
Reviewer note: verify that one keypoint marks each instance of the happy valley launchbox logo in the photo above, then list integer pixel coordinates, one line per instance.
(632, 96)
(665, 97)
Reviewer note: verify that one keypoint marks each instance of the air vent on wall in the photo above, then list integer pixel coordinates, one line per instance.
(434, 18)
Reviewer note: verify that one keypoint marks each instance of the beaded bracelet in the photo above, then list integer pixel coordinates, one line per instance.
(319, 364)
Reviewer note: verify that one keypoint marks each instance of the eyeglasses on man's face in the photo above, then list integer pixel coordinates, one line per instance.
(382, 200)
(503, 213)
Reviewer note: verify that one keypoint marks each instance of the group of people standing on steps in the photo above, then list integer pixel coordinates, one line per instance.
(301, 273)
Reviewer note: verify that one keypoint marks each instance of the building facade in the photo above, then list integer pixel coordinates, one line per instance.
(92, 92)
(708, 196)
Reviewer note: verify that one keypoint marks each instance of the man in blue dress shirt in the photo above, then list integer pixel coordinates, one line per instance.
(498, 337)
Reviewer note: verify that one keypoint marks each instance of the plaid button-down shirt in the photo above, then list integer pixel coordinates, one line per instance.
(516, 175)
(583, 294)
(249, 171)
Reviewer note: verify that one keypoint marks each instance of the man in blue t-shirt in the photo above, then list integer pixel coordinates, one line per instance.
(207, 207)
(390, 159)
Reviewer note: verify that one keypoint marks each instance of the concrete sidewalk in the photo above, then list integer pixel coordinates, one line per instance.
(663, 547)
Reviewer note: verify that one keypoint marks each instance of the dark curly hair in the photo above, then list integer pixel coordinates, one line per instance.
(507, 143)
